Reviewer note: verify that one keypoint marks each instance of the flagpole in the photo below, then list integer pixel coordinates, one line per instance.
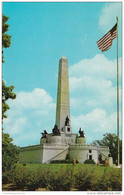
(117, 99)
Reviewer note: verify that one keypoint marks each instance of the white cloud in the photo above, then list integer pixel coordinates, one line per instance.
(98, 66)
(30, 113)
(34, 99)
(93, 96)
(93, 84)
(88, 82)
(108, 15)
(95, 123)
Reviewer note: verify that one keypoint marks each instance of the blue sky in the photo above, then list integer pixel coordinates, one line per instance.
(42, 33)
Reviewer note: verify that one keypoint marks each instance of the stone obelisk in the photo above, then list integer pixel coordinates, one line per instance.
(63, 105)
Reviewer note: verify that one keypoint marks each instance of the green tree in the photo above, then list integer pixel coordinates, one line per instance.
(9, 153)
(6, 39)
(7, 93)
(9, 150)
(111, 141)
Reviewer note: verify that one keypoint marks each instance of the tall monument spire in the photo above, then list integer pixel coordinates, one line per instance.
(63, 105)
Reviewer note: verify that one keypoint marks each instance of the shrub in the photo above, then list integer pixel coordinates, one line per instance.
(61, 161)
(100, 159)
(64, 179)
(7, 177)
(89, 161)
(115, 180)
(67, 156)
(88, 180)
(101, 183)
(83, 179)
(43, 177)
(33, 180)
(61, 180)
(95, 183)
(30, 179)
(66, 161)
(109, 181)
(20, 176)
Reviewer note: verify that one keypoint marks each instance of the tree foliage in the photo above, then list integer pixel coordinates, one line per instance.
(6, 39)
(9, 153)
(9, 150)
(7, 93)
(111, 141)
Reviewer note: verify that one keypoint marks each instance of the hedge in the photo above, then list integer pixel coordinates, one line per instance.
(67, 178)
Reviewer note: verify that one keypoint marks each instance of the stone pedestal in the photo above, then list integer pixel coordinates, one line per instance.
(42, 140)
(81, 140)
(67, 130)
(110, 161)
(56, 139)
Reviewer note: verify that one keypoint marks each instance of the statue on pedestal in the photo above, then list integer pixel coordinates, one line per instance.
(44, 134)
(67, 121)
(81, 133)
(55, 130)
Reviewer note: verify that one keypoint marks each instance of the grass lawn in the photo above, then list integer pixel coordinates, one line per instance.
(99, 170)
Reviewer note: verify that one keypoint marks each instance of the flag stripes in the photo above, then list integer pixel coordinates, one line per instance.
(106, 41)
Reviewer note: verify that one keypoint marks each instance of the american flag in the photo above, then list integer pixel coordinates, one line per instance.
(106, 41)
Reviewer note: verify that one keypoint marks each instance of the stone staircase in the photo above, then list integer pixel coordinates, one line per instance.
(57, 155)
(103, 154)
